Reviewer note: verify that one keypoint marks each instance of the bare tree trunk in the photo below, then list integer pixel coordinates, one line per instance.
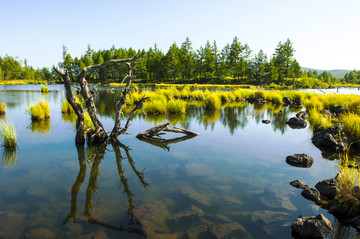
(79, 138)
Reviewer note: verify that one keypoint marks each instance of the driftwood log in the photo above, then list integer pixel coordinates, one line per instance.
(164, 127)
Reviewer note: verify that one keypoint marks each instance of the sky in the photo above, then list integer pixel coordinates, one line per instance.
(325, 33)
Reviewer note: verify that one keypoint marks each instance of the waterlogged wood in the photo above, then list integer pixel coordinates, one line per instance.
(79, 138)
(164, 143)
(164, 127)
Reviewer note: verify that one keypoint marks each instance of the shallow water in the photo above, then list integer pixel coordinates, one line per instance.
(234, 174)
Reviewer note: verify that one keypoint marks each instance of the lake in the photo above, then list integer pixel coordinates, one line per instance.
(233, 176)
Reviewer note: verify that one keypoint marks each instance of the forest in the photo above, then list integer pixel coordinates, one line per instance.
(236, 63)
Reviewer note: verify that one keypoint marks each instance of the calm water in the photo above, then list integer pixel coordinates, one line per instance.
(233, 172)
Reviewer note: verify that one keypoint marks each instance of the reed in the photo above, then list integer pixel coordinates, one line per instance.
(44, 89)
(212, 101)
(40, 111)
(2, 108)
(8, 134)
(66, 107)
(176, 106)
(155, 107)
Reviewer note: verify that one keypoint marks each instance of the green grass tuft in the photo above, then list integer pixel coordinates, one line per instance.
(44, 89)
(2, 108)
(176, 107)
(8, 134)
(40, 111)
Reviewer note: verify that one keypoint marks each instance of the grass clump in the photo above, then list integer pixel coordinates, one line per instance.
(212, 101)
(2, 108)
(44, 89)
(319, 121)
(176, 107)
(8, 134)
(40, 111)
(155, 107)
(351, 124)
(66, 107)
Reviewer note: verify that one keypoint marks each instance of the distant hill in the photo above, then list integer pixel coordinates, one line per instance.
(335, 73)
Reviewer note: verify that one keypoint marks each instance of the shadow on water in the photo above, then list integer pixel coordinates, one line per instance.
(95, 156)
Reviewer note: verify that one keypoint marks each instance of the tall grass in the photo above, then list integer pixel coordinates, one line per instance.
(39, 111)
(66, 107)
(44, 89)
(176, 107)
(351, 124)
(2, 108)
(8, 134)
(155, 107)
(319, 121)
(212, 101)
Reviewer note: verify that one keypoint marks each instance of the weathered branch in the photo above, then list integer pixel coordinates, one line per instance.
(165, 127)
(79, 138)
(164, 143)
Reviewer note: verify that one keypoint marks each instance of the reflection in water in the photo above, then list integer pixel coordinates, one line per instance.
(164, 143)
(9, 158)
(95, 155)
(69, 117)
(41, 127)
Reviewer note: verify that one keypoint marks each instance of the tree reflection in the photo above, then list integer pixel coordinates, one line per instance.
(95, 155)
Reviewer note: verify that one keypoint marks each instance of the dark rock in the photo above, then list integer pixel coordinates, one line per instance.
(296, 123)
(300, 160)
(227, 230)
(298, 184)
(337, 210)
(11, 225)
(311, 194)
(185, 220)
(327, 188)
(336, 110)
(311, 227)
(287, 101)
(302, 115)
(195, 232)
(355, 223)
(325, 140)
(266, 121)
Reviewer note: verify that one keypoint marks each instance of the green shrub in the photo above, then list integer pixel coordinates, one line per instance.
(8, 134)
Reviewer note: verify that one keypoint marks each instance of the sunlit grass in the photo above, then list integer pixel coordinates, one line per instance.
(88, 124)
(44, 89)
(318, 120)
(8, 134)
(176, 107)
(39, 111)
(155, 107)
(212, 101)
(2, 108)
(351, 124)
(66, 107)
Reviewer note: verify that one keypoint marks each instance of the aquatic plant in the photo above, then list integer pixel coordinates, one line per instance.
(2, 108)
(319, 121)
(212, 101)
(155, 107)
(66, 107)
(347, 183)
(351, 123)
(8, 134)
(40, 111)
(176, 107)
(44, 89)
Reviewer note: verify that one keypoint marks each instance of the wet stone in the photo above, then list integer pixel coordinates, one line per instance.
(298, 184)
(327, 188)
(40, 233)
(227, 230)
(311, 194)
(275, 196)
(11, 225)
(191, 193)
(195, 232)
(311, 227)
(268, 217)
(300, 160)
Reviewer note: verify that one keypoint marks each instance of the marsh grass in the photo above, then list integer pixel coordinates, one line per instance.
(176, 107)
(66, 107)
(348, 184)
(2, 108)
(44, 89)
(155, 107)
(351, 124)
(212, 101)
(8, 134)
(39, 111)
(319, 121)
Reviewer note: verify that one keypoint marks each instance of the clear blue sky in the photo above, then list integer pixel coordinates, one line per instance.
(325, 33)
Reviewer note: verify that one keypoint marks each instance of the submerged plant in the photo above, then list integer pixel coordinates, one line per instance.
(40, 111)
(8, 134)
(2, 108)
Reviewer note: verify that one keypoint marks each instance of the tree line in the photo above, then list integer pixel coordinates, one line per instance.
(235, 63)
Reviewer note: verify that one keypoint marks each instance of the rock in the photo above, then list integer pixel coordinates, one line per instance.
(300, 160)
(311, 227)
(302, 115)
(296, 123)
(311, 194)
(185, 220)
(325, 140)
(268, 217)
(355, 223)
(298, 184)
(276, 196)
(327, 188)
(336, 209)
(40, 233)
(192, 194)
(227, 230)
(287, 101)
(336, 110)
(11, 225)
(194, 232)
(266, 121)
